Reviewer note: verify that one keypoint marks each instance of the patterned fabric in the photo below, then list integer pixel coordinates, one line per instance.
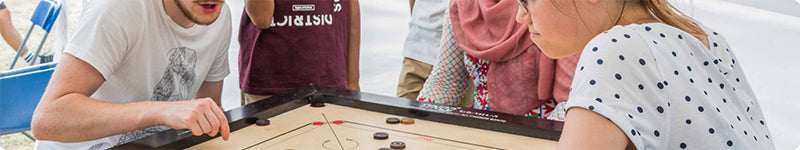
(449, 80)
(477, 70)
(667, 90)
(449, 77)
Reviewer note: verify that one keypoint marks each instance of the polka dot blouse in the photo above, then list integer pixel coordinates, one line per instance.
(666, 90)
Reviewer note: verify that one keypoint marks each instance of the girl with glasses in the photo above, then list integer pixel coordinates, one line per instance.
(649, 77)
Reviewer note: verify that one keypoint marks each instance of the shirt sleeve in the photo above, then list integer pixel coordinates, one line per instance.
(617, 77)
(101, 38)
(448, 80)
(220, 68)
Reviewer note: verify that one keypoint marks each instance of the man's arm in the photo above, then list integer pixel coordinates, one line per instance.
(411, 5)
(260, 12)
(66, 113)
(585, 129)
(9, 32)
(353, 47)
(211, 90)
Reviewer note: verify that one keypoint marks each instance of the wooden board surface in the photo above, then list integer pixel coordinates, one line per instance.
(294, 130)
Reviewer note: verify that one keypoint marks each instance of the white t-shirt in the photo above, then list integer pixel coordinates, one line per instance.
(425, 30)
(144, 55)
(666, 90)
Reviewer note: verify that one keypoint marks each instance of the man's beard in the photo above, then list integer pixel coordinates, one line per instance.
(191, 16)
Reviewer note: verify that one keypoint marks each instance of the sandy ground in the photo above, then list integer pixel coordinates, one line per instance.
(763, 35)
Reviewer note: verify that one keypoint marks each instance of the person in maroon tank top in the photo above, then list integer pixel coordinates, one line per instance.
(287, 44)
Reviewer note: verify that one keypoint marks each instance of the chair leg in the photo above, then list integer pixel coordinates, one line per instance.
(36, 58)
(28, 135)
(22, 46)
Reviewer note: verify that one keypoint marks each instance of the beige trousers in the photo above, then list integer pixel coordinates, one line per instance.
(412, 77)
(250, 98)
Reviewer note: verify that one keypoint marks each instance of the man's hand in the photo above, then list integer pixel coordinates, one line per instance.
(353, 87)
(201, 116)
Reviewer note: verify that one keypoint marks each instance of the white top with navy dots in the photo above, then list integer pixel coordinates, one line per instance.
(666, 90)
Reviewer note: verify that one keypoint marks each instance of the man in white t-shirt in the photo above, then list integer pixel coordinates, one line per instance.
(135, 68)
(422, 46)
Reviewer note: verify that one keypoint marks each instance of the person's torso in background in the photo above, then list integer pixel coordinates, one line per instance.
(425, 30)
(307, 42)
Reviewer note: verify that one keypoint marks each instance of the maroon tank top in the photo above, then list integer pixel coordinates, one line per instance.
(307, 42)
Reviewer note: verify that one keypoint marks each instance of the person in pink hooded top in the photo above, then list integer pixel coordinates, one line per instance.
(489, 63)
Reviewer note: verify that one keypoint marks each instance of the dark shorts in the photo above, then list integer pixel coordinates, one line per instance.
(2, 5)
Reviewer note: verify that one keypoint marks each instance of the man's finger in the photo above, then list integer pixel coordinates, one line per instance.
(203, 122)
(209, 114)
(195, 128)
(224, 127)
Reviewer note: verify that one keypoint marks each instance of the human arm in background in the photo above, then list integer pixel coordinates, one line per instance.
(260, 12)
(449, 78)
(9, 32)
(354, 47)
(411, 5)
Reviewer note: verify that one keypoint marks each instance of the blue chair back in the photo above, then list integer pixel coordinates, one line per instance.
(20, 92)
(46, 13)
(44, 16)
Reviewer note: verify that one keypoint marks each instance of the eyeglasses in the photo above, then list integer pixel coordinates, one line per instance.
(523, 4)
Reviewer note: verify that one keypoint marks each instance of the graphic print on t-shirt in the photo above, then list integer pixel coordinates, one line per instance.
(178, 77)
(130, 136)
(300, 19)
(175, 84)
(98, 146)
(135, 135)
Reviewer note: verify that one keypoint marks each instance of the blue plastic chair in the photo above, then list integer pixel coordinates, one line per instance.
(45, 15)
(20, 92)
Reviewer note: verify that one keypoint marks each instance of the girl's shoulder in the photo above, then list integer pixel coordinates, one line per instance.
(628, 41)
(649, 39)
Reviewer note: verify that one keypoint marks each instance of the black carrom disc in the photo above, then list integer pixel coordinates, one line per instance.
(380, 135)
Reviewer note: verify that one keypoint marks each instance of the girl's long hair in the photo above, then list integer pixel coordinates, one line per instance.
(668, 14)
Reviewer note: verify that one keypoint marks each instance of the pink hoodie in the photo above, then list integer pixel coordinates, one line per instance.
(520, 76)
